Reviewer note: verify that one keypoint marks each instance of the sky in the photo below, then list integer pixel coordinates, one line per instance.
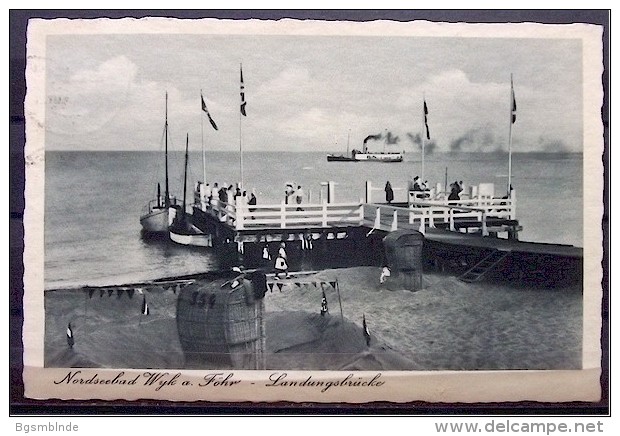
(312, 93)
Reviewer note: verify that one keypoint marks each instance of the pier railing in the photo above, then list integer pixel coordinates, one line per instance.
(417, 215)
(421, 214)
(287, 215)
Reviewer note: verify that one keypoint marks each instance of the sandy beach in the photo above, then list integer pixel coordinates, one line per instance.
(448, 325)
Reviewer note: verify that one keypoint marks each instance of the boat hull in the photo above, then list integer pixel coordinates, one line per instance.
(192, 239)
(379, 157)
(337, 158)
(155, 221)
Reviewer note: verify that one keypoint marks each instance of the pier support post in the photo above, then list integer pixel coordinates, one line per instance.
(368, 191)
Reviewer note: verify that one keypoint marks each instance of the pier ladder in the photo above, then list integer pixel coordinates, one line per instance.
(479, 270)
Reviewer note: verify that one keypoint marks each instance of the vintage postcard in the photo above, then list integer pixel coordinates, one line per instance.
(313, 211)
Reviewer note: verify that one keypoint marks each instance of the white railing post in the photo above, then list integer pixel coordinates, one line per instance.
(423, 222)
(395, 221)
(485, 231)
(451, 213)
(282, 215)
(513, 205)
(411, 216)
(378, 219)
(324, 219)
(361, 214)
(240, 214)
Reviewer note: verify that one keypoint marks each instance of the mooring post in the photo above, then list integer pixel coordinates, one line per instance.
(485, 231)
(331, 192)
(282, 215)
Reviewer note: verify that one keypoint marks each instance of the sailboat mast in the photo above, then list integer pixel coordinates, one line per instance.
(185, 172)
(423, 135)
(202, 139)
(167, 200)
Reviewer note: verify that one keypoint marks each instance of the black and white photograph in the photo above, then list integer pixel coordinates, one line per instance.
(308, 210)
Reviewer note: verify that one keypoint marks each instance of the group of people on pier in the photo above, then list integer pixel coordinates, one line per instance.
(294, 196)
(228, 195)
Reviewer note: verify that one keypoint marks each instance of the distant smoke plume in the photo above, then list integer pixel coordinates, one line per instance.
(429, 146)
(376, 137)
(479, 139)
(389, 138)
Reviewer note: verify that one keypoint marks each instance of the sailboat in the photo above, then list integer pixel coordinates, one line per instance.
(181, 229)
(154, 216)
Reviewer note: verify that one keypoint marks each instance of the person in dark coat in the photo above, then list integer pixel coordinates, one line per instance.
(389, 192)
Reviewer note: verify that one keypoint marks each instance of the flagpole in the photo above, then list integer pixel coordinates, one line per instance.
(202, 138)
(423, 135)
(241, 110)
(510, 137)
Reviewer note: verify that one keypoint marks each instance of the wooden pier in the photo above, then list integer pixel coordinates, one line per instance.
(462, 235)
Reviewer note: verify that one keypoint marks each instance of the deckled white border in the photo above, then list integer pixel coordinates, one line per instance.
(401, 386)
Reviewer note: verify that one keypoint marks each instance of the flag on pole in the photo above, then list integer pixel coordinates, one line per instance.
(206, 111)
(243, 103)
(513, 110)
(366, 332)
(428, 133)
(324, 309)
(145, 306)
(70, 339)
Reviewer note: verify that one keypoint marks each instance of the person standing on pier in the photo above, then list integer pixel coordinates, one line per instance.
(281, 261)
(389, 192)
(252, 202)
(299, 197)
(288, 192)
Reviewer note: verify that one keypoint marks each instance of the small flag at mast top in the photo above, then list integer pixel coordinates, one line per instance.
(206, 111)
(145, 306)
(513, 108)
(428, 133)
(70, 339)
(243, 102)
(366, 332)
(324, 308)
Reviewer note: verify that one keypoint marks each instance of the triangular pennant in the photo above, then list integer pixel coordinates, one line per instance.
(90, 293)
(322, 285)
(270, 286)
(119, 292)
(176, 289)
(110, 292)
(130, 292)
(297, 284)
(333, 284)
(101, 292)
(280, 286)
(314, 284)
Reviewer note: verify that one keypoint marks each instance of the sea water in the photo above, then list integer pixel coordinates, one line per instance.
(93, 200)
